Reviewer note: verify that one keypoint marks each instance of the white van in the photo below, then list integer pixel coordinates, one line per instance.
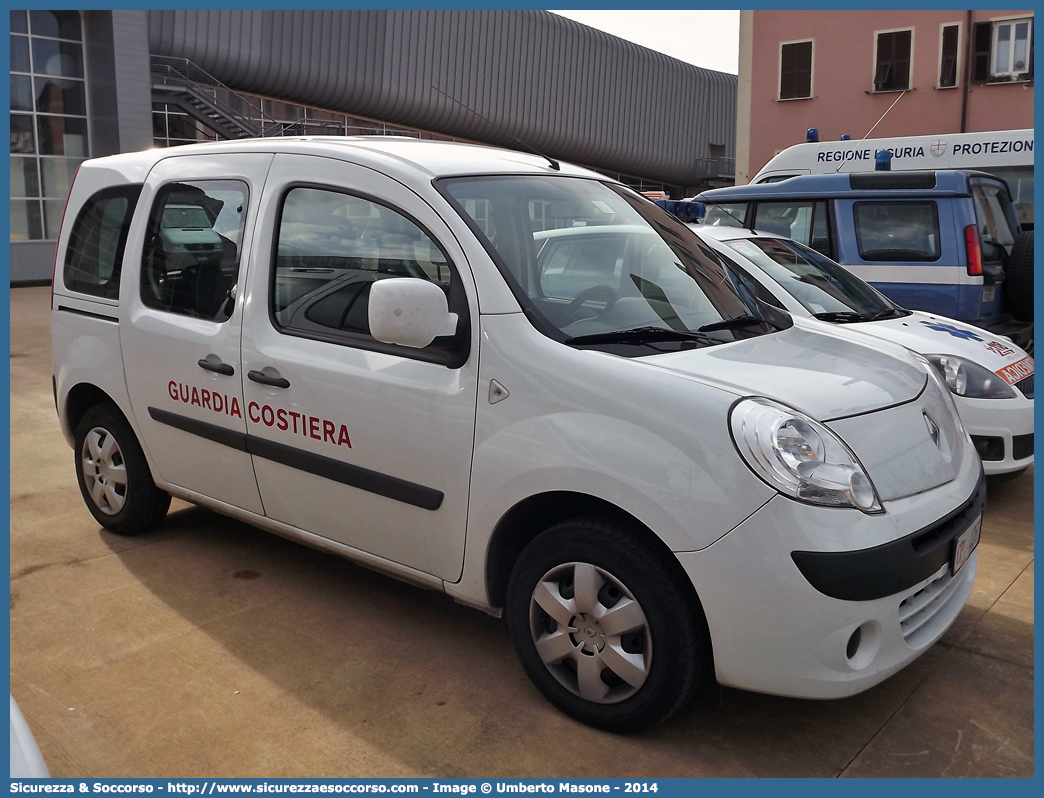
(372, 346)
(1007, 154)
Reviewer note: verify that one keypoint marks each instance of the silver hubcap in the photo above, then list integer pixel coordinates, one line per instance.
(590, 633)
(104, 472)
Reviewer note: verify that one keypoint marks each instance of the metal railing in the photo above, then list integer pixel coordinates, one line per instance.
(716, 167)
(180, 73)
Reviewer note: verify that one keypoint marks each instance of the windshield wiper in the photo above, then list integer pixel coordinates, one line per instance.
(737, 321)
(642, 335)
(843, 316)
(851, 316)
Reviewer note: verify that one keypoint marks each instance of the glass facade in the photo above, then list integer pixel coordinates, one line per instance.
(48, 118)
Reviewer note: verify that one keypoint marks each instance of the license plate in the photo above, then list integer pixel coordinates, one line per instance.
(966, 543)
(987, 293)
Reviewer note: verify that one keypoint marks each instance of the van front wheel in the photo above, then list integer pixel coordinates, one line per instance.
(604, 627)
(114, 476)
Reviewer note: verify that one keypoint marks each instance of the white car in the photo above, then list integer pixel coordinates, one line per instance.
(396, 357)
(990, 377)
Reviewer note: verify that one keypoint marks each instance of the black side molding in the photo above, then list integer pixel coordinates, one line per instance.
(346, 473)
(327, 467)
(88, 314)
(212, 432)
(884, 570)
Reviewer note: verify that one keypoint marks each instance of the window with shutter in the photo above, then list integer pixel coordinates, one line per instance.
(892, 72)
(1002, 51)
(795, 70)
(948, 56)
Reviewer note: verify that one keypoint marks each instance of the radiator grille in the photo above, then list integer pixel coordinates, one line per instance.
(1022, 446)
(1026, 386)
(917, 611)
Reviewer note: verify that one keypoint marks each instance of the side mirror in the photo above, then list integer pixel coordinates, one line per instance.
(409, 311)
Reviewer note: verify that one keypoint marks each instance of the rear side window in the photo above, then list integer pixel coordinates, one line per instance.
(897, 231)
(190, 264)
(94, 257)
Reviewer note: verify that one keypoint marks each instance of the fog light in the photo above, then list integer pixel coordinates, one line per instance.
(853, 642)
(989, 447)
(863, 645)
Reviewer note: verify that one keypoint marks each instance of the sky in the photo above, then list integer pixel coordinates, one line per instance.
(708, 39)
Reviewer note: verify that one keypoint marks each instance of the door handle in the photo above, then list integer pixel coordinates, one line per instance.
(218, 367)
(264, 379)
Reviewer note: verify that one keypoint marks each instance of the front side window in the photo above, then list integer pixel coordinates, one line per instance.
(823, 287)
(726, 214)
(1003, 50)
(594, 264)
(897, 231)
(94, 255)
(892, 69)
(332, 247)
(792, 219)
(795, 70)
(190, 265)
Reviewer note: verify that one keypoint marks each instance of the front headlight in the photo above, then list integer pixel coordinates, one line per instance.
(800, 457)
(968, 379)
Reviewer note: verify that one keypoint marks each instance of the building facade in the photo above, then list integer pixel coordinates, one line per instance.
(907, 72)
(93, 83)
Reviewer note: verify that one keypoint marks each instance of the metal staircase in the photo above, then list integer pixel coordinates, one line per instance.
(177, 81)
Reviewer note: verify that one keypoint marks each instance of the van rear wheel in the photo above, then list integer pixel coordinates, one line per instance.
(604, 626)
(113, 474)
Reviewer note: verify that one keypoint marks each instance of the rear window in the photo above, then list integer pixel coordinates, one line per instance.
(897, 231)
(994, 219)
(94, 256)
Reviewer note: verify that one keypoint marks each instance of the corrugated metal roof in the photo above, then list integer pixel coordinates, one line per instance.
(574, 92)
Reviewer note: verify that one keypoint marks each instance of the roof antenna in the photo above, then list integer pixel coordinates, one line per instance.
(879, 121)
(553, 163)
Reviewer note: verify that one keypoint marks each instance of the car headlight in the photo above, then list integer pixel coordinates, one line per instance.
(800, 457)
(965, 378)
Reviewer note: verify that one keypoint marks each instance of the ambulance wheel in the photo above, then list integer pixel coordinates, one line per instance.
(1019, 278)
(113, 474)
(605, 626)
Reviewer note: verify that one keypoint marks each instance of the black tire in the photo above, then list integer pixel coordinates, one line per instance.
(672, 646)
(113, 474)
(1018, 286)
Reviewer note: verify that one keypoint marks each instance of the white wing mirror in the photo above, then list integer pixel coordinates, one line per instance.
(409, 311)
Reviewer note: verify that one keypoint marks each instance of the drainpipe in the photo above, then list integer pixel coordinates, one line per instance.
(967, 71)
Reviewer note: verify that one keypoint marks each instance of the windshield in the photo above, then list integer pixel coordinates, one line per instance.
(820, 285)
(590, 260)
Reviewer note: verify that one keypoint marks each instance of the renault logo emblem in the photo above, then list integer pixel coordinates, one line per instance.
(933, 429)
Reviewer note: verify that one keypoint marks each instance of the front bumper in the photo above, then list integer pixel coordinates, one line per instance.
(1006, 419)
(772, 631)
